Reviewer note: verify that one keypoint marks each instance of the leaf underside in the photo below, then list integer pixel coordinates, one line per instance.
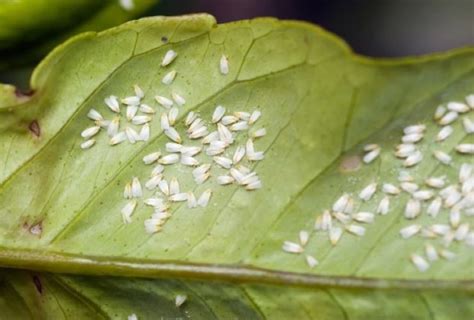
(320, 103)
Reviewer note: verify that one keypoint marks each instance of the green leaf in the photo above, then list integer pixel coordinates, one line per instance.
(30, 29)
(319, 103)
(45, 296)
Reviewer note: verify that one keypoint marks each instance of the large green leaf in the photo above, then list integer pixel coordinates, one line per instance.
(44, 296)
(319, 103)
(29, 29)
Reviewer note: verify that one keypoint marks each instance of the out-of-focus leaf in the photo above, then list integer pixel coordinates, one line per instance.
(28, 295)
(30, 28)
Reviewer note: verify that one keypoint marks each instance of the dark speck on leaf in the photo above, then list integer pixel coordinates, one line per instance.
(35, 128)
(23, 94)
(164, 39)
(38, 285)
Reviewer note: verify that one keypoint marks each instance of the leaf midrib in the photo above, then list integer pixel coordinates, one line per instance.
(74, 264)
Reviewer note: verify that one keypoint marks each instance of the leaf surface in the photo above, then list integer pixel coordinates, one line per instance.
(320, 103)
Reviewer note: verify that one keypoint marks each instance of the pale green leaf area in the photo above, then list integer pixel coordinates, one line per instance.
(28, 295)
(320, 103)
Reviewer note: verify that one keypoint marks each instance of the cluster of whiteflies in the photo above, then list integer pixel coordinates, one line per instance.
(138, 115)
(433, 195)
(214, 145)
(217, 137)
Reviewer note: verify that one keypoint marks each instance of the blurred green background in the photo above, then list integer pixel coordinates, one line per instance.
(380, 28)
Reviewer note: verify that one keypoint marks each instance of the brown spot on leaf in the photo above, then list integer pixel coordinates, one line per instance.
(35, 128)
(23, 94)
(350, 163)
(164, 39)
(38, 285)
